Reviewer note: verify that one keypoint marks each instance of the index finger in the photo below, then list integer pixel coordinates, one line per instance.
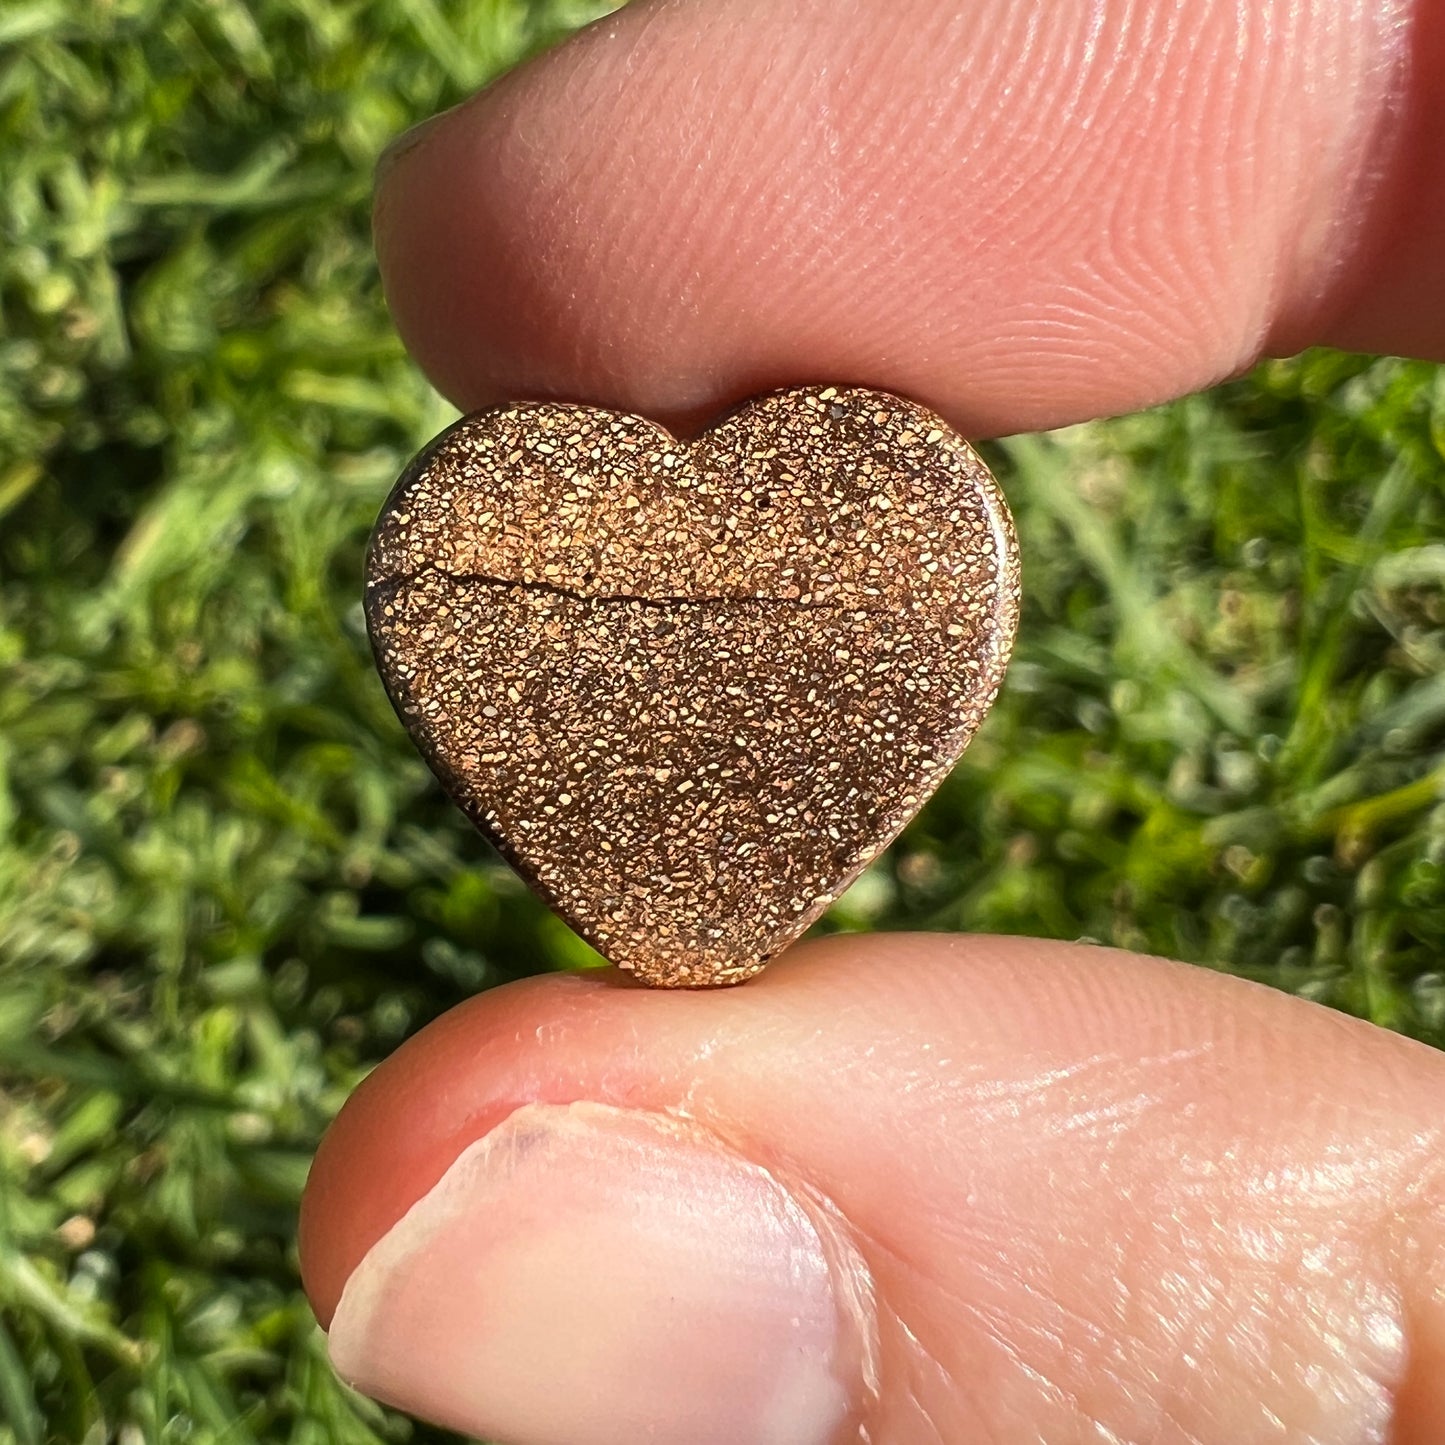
(1021, 217)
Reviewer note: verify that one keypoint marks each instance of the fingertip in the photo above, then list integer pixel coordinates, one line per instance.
(408, 1120)
(1018, 222)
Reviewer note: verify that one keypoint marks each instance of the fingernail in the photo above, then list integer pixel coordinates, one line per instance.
(585, 1275)
(407, 142)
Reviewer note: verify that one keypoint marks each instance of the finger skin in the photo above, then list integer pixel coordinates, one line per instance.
(1096, 1192)
(1020, 215)
(1393, 297)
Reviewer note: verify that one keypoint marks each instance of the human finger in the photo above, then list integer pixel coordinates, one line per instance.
(1019, 215)
(899, 1188)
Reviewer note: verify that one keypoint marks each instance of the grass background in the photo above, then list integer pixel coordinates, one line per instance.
(227, 885)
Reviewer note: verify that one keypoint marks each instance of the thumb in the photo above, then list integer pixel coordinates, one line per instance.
(898, 1189)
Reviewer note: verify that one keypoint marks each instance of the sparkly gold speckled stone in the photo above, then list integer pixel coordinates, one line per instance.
(691, 690)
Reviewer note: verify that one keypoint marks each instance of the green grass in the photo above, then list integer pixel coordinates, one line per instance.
(227, 885)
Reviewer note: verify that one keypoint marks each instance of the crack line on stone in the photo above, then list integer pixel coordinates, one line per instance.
(571, 594)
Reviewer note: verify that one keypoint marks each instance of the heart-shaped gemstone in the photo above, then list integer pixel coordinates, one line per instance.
(691, 690)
